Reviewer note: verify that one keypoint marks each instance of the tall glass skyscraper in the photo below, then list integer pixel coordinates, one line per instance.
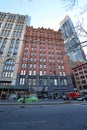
(72, 43)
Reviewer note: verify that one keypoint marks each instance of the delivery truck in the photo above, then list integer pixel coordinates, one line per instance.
(71, 95)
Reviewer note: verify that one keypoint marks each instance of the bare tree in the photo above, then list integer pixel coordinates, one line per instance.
(81, 27)
(70, 4)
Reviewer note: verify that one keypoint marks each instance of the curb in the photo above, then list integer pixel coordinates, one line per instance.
(39, 103)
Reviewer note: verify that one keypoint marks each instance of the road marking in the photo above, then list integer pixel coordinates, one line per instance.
(29, 122)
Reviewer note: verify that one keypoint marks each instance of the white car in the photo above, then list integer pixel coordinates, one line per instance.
(84, 98)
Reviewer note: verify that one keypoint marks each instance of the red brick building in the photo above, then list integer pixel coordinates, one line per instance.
(44, 66)
(80, 76)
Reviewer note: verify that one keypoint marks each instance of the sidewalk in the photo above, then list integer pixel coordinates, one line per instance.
(41, 102)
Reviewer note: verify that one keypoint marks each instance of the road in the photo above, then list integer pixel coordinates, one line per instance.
(43, 117)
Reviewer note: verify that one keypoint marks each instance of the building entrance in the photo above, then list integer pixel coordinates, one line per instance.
(55, 95)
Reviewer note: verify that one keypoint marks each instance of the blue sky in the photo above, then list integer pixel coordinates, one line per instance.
(44, 13)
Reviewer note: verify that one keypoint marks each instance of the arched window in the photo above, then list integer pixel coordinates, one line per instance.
(8, 68)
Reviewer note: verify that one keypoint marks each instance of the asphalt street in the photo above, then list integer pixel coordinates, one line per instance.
(44, 117)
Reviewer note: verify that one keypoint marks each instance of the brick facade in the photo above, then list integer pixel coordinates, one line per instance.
(80, 76)
(44, 65)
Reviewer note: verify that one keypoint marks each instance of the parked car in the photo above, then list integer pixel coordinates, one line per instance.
(84, 98)
(29, 99)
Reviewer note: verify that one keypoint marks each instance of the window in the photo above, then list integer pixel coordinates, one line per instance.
(40, 72)
(41, 54)
(7, 74)
(51, 81)
(30, 65)
(75, 70)
(16, 47)
(85, 71)
(3, 46)
(44, 66)
(34, 65)
(34, 59)
(77, 78)
(41, 60)
(62, 67)
(49, 60)
(55, 82)
(40, 66)
(83, 81)
(34, 72)
(64, 81)
(25, 59)
(45, 82)
(59, 67)
(85, 67)
(26, 48)
(23, 72)
(29, 81)
(8, 68)
(19, 27)
(79, 68)
(60, 73)
(25, 53)
(76, 74)
(17, 34)
(78, 82)
(81, 73)
(33, 81)
(5, 33)
(44, 60)
(31, 59)
(30, 72)
(20, 33)
(0, 24)
(44, 72)
(64, 74)
(24, 65)
(40, 81)
(10, 51)
(0, 39)
(22, 81)
(10, 61)
(59, 61)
